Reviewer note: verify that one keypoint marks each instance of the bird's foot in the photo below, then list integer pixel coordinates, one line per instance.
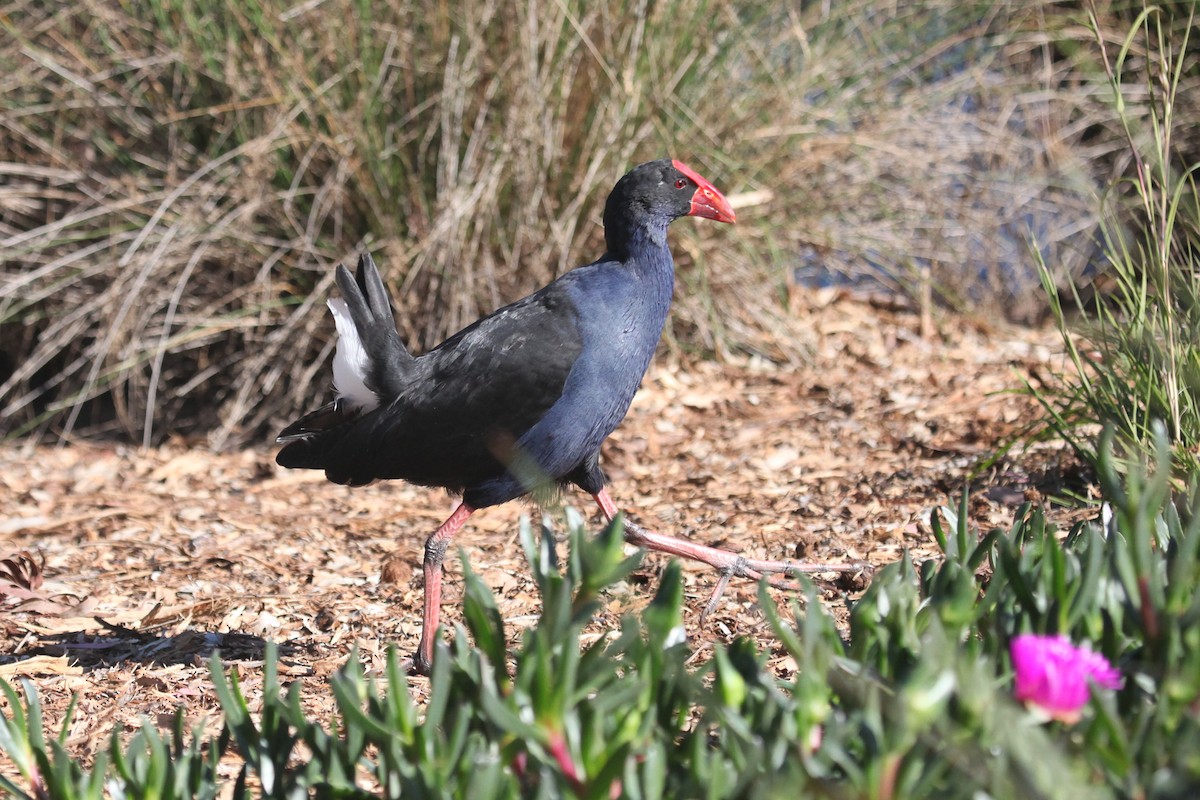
(732, 565)
(416, 665)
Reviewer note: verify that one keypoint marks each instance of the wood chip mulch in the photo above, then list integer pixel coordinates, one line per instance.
(125, 569)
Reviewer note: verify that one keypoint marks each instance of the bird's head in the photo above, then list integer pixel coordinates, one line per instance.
(657, 192)
(706, 201)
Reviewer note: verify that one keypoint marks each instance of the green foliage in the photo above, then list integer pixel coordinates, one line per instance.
(916, 704)
(1131, 338)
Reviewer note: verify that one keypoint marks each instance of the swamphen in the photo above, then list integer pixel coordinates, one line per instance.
(520, 401)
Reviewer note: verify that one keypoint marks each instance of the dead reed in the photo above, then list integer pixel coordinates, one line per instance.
(177, 177)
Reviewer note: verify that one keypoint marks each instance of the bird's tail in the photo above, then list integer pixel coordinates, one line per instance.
(371, 364)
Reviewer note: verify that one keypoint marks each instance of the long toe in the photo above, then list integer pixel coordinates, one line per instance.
(730, 564)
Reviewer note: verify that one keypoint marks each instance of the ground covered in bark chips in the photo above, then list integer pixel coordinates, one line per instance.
(125, 569)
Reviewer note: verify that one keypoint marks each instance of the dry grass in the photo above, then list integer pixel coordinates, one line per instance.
(178, 176)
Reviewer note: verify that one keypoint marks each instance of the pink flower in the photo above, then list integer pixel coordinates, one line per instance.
(1053, 674)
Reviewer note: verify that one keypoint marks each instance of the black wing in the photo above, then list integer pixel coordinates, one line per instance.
(467, 400)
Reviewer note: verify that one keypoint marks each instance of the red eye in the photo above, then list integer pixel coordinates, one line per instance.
(680, 183)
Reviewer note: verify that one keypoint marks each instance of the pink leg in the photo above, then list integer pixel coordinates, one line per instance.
(729, 564)
(607, 506)
(435, 552)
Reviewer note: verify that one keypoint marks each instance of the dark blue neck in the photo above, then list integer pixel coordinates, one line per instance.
(632, 237)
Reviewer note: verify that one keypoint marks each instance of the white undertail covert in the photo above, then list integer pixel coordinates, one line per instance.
(350, 361)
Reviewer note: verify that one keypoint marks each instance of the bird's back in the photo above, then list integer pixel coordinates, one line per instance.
(524, 396)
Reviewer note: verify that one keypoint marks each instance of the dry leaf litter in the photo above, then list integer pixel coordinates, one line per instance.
(125, 569)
